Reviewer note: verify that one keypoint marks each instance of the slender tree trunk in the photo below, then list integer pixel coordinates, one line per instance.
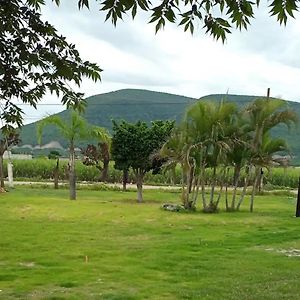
(221, 188)
(236, 177)
(191, 179)
(125, 179)
(226, 190)
(104, 172)
(219, 196)
(257, 170)
(72, 175)
(243, 192)
(212, 192)
(203, 187)
(139, 183)
(182, 185)
(186, 195)
(195, 196)
(56, 172)
(226, 197)
(1, 171)
(106, 157)
(186, 187)
(298, 201)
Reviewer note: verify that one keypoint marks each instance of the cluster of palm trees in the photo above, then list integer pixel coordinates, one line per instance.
(216, 138)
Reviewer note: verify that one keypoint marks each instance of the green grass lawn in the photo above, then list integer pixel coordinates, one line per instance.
(106, 246)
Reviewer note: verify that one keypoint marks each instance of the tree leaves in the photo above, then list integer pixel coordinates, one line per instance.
(282, 9)
(36, 59)
(133, 144)
(238, 12)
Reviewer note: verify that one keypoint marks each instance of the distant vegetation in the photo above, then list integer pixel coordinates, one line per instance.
(132, 105)
(41, 169)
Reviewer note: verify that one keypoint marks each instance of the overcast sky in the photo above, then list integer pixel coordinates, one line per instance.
(132, 56)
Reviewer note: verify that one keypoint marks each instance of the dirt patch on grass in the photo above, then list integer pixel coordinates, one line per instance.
(287, 252)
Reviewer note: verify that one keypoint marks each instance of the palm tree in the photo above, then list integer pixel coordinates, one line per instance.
(264, 114)
(175, 151)
(98, 156)
(73, 129)
(206, 124)
(238, 155)
(104, 142)
(200, 142)
(265, 158)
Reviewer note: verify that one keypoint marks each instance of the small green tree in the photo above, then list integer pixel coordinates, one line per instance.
(134, 144)
(74, 129)
(99, 155)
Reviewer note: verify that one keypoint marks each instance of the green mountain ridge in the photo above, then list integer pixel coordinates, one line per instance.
(133, 105)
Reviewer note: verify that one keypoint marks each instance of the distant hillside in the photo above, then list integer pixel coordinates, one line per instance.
(129, 105)
(133, 105)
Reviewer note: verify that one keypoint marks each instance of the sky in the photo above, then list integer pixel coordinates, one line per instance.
(173, 61)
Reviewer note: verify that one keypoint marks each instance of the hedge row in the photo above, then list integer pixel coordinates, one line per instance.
(42, 169)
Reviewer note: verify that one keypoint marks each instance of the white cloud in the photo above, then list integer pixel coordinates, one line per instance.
(132, 56)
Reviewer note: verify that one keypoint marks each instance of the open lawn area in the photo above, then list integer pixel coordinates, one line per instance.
(106, 246)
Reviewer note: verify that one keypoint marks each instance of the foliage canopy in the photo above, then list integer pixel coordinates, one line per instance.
(217, 16)
(35, 60)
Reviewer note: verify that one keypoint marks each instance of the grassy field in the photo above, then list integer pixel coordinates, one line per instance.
(106, 246)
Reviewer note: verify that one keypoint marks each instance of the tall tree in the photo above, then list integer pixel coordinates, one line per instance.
(217, 16)
(263, 114)
(10, 137)
(207, 123)
(198, 144)
(134, 144)
(35, 60)
(73, 130)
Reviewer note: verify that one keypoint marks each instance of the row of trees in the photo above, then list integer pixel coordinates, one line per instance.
(131, 146)
(212, 139)
(219, 136)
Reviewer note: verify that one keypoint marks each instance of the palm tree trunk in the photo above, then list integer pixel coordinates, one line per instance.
(186, 196)
(195, 196)
(257, 170)
(203, 187)
(237, 171)
(212, 192)
(226, 197)
(226, 190)
(191, 179)
(104, 172)
(72, 175)
(2, 171)
(221, 187)
(243, 192)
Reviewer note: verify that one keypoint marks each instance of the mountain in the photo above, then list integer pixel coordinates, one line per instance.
(130, 105)
(133, 105)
